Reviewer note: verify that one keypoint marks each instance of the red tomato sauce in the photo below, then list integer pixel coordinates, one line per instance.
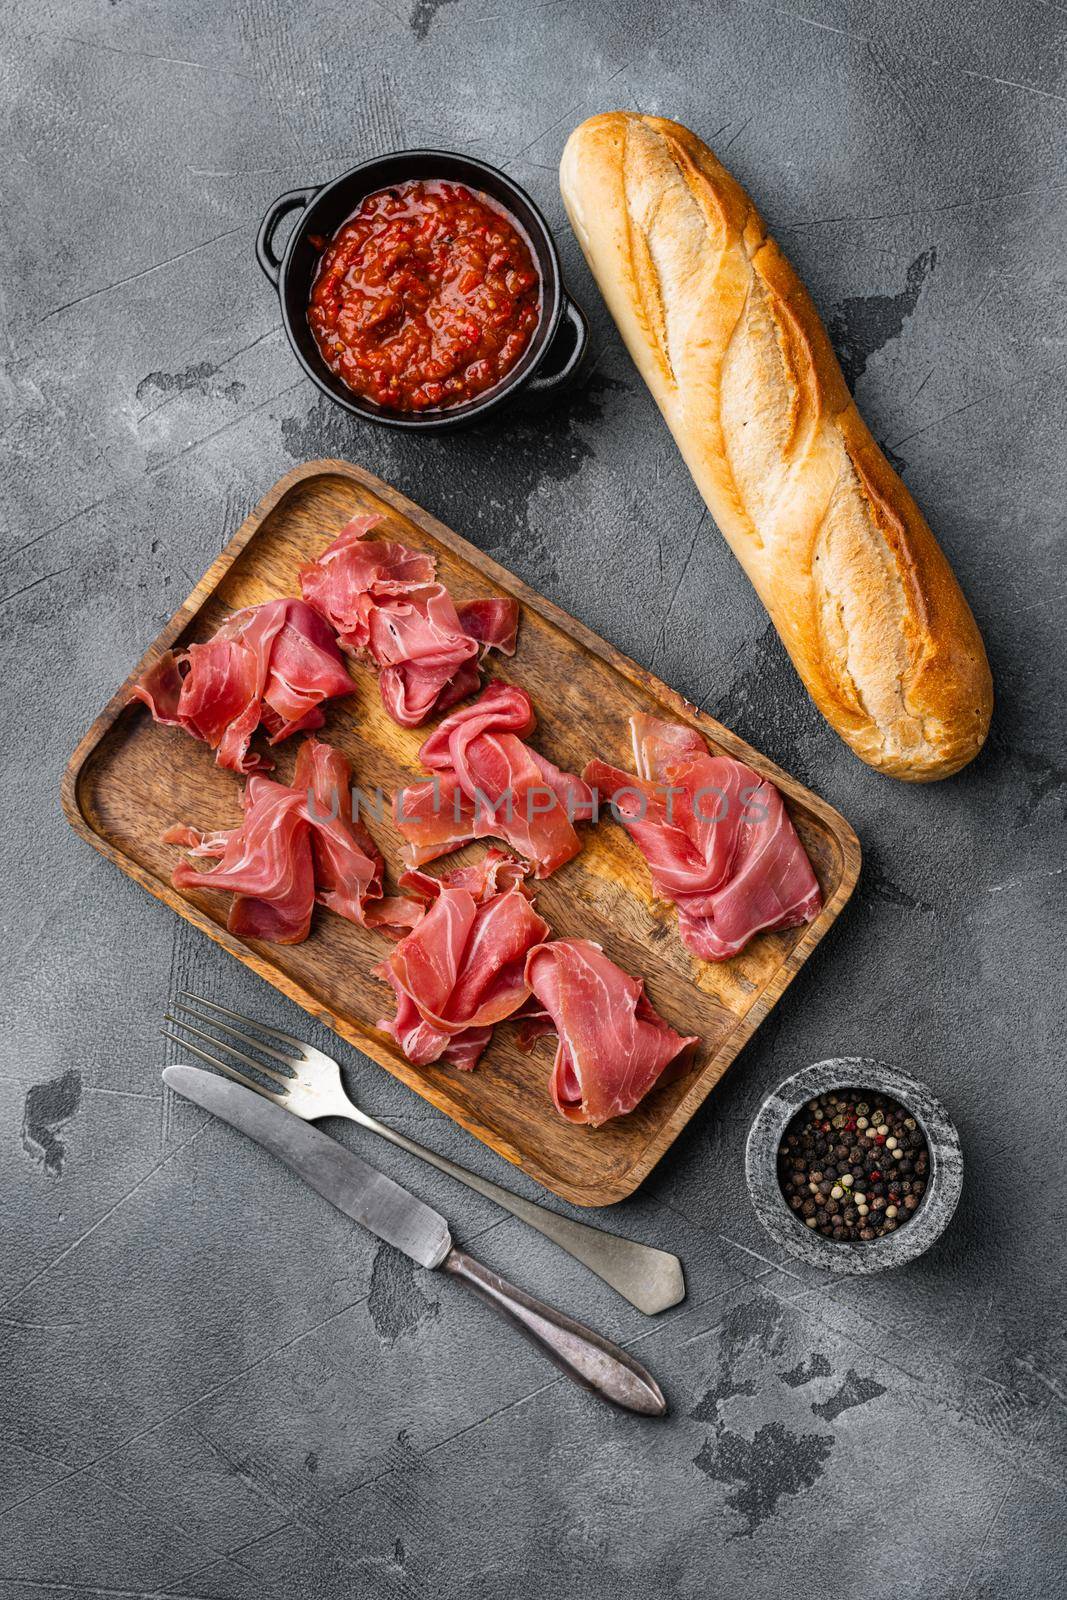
(425, 297)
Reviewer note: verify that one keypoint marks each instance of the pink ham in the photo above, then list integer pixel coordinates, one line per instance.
(493, 622)
(348, 863)
(495, 873)
(613, 1046)
(296, 845)
(274, 664)
(717, 838)
(488, 783)
(385, 605)
(265, 864)
(461, 970)
(352, 570)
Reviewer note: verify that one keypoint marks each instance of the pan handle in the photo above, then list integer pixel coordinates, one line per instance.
(296, 199)
(573, 330)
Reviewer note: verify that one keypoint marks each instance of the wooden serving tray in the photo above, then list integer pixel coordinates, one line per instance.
(129, 779)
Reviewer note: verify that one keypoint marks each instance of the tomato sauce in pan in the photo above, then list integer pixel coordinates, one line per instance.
(426, 297)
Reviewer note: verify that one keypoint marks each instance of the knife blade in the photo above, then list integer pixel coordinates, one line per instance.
(339, 1175)
(391, 1213)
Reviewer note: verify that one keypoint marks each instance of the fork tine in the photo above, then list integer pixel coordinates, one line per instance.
(220, 1044)
(231, 1072)
(235, 1033)
(252, 1022)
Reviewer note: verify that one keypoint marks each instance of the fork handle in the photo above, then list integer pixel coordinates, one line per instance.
(583, 1355)
(649, 1279)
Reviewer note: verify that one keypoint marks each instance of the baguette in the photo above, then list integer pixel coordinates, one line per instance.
(731, 346)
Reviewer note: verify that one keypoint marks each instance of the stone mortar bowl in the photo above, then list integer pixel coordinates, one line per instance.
(943, 1184)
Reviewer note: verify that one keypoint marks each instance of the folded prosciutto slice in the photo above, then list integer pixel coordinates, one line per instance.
(488, 783)
(495, 873)
(297, 844)
(265, 864)
(385, 605)
(717, 838)
(273, 664)
(348, 863)
(461, 969)
(613, 1044)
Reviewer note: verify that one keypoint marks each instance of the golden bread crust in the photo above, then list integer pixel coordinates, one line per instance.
(730, 344)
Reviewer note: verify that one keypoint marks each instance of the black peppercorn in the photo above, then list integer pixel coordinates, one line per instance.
(853, 1168)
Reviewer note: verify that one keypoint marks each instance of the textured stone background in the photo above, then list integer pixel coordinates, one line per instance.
(210, 1384)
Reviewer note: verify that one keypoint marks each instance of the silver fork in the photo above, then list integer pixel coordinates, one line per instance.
(311, 1088)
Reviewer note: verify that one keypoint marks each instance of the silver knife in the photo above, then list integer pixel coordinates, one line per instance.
(392, 1214)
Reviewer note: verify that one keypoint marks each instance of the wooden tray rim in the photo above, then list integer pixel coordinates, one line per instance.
(835, 824)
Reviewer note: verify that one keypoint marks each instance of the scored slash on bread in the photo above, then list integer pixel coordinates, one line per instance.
(730, 344)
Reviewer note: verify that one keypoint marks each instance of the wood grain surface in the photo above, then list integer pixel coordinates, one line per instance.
(129, 779)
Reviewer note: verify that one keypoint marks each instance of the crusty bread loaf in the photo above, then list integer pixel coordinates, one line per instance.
(731, 346)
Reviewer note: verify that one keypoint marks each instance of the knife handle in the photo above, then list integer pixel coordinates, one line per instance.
(583, 1355)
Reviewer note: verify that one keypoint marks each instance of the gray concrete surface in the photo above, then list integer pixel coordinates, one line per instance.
(210, 1386)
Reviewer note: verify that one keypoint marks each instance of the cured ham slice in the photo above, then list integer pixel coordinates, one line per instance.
(274, 664)
(717, 838)
(493, 622)
(265, 864)
(461, 969)
(297, 844)
(488, 783)
(386, 606)
(613, 1045)
(348, 863)
(495, 873)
